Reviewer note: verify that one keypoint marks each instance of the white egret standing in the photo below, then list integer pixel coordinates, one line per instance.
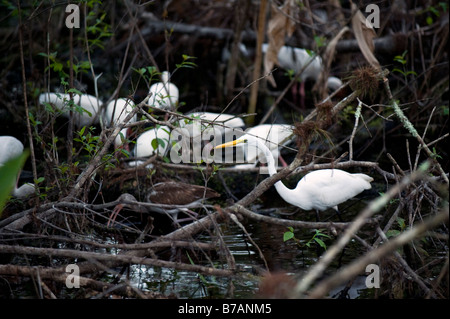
(11, 147)
(291, 58)
(318, 190)
(164, 95)
(115, 113)
(90, 105)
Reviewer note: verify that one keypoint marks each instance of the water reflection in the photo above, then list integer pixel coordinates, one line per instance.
(279, 256)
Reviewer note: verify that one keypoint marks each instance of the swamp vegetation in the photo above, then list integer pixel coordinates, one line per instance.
(389, 120)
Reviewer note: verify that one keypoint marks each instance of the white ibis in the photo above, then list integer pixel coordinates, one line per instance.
(10, 148)
(164, 95)
(291, 58)
(225, 124)
(318, 190)
(115, 113)
(166, 193)
(86, 116)
(154, 141)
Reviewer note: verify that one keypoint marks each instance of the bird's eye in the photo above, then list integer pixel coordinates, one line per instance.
(245, 140)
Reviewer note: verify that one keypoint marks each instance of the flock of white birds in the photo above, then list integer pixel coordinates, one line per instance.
(318, 190)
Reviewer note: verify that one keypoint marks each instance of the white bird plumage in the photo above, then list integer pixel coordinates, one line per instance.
(291, 58)
(10, 148)
(90, 104)
(144, 143)
(318, 190)
(274, 136)
(164, 95)
(222, 123)
(115, 113)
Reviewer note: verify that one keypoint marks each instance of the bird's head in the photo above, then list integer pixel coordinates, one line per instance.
(241, 141)
(334, 83)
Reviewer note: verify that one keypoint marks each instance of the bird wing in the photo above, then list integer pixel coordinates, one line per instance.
(329, 188)
(174, 193)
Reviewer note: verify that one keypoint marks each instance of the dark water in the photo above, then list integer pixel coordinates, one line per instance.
(287, 257)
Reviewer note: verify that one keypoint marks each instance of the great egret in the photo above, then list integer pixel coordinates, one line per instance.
(90, 107)
(166, 193)
(11, 147)
(164, 95)
(223, 123)
(154, 141)
(318, 190)
(115, 113)
(291, 58)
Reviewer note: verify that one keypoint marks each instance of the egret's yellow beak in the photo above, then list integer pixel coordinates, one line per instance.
(230, 144)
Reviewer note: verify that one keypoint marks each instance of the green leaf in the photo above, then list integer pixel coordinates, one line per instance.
(74, 91)
(400, 59)
(319, 233)
(398, 70)
(401, 222)
(161, 142)
(8, 177)
(155, 143)
(435, 11)
(320, 242)
(392, 233)
(411, 72)
(125, 153)
(288, 235)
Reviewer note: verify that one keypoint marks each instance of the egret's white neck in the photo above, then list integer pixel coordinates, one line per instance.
(292, 196)
(24, 191)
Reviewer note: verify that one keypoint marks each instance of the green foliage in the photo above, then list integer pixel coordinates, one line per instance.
(89, 141)
(156, 142)
(395, 232)
(8, 177)
(148, 73)
(54, 64)
(402, 60)
(320, 41)
(435, 155)
(317, 238)
(97, 28)
(187, 63)
(434, 10)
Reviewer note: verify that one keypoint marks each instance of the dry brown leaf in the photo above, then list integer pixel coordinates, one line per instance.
(279, 26)
(364, 36)
(328, 57)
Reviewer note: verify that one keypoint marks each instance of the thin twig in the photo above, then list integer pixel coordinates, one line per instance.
(317, 270)
(25, 99)
(359, 265)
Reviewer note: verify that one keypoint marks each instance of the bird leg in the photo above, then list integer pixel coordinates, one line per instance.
(317, 216)
(295, 92)
(174, 215)
(283, 162)
(339, 215)
(302, 94)
(113, 216)
(192, 216)
(299, 89)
